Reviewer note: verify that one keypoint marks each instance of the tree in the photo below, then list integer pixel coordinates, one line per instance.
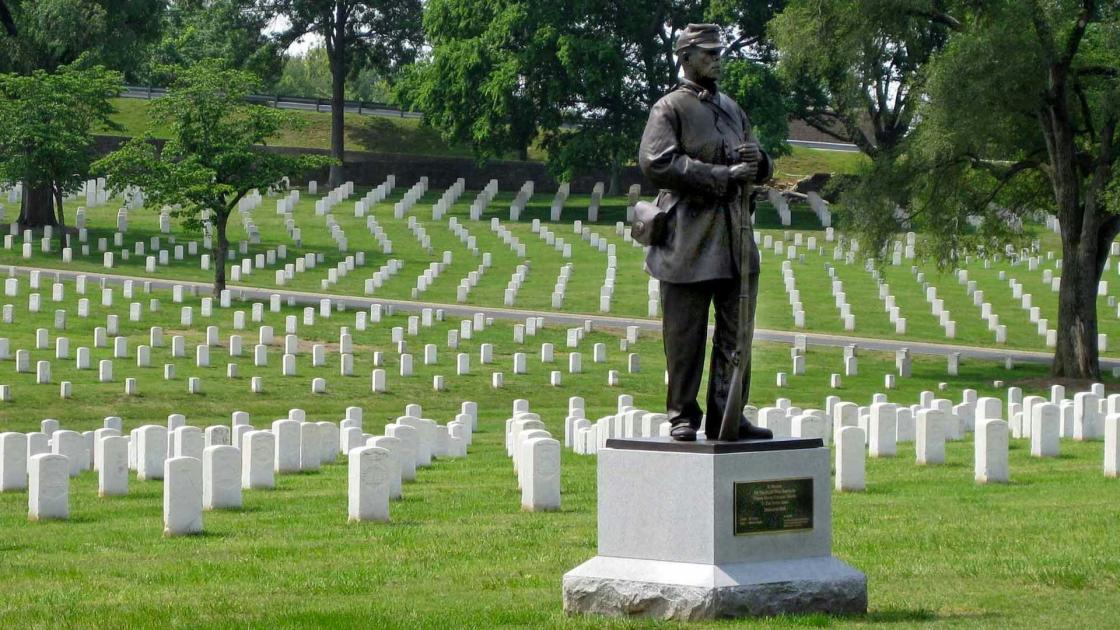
(750, 72)
(309, 75)
(621, 57)
(6, 20)
(492, 79)
(758, 89)
(213, 158)
(1021, 115)
(45, 129)
(854, 67)
(382, 34)
(48, 35)
(231, 30)
(577, 76)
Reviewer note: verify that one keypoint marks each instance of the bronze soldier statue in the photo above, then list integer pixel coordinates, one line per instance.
(698, 148)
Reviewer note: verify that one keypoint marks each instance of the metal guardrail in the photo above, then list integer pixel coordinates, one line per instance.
(361, 108)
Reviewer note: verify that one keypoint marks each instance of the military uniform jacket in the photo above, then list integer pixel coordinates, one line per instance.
(686, 151)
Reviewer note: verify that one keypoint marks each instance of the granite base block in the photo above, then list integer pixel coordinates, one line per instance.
(691, 591)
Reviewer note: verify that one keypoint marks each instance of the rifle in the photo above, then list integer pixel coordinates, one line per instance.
(733, 409)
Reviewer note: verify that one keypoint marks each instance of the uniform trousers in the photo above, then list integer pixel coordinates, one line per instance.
(685, 309)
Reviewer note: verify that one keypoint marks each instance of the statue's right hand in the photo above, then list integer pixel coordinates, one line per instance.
(744, 171)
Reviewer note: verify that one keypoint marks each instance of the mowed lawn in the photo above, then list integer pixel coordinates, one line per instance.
(814, 270)
(459, 552)
(387, 134)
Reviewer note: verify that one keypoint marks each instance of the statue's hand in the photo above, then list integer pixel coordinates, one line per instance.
(744, 172)
(749, 152)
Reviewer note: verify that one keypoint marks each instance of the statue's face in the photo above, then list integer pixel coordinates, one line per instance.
(706, 64)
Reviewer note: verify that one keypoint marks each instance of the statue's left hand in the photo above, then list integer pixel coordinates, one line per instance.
(749, 152)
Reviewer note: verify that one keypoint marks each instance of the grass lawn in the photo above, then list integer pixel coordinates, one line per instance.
(811, 267)
(374, 134)
(379, 134)
(459, 552)
(803, 162)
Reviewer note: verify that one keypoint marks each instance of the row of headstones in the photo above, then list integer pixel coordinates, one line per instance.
(585, 437)
(774, 196)
(463, 234)
(519, 276)
(483, 200)
(178, 347)
(536, 459)
(374, 196)
(287, 274)
(987, 314)
(410, 198)
(334, 274)
(160, 257)
(208, 472)
(850, 361)
(333, 197)
(238, 270)
(379, 380)
(326, 307)
(430, 275)
(420, 233)
(448, 199)
(883, 424)
(506, 236)
(521, 200)
(468, 283)
(876, 430)
(991, 447)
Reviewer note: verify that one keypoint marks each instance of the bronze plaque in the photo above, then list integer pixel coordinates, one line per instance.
(779, 505)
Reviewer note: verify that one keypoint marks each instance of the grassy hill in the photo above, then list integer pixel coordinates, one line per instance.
(376, 134)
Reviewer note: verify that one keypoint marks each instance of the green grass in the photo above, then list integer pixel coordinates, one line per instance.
(630, 298)
(374, 134)
(803, 162)
(377, 134)
(459, 552)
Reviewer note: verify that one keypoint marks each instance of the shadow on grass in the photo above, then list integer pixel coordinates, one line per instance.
(883, 616)
(203, 535)
(901, 615)
(376, 134)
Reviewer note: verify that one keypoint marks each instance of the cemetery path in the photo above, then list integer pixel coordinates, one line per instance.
(571, 319)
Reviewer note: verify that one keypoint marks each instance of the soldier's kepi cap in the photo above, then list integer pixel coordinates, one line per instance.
(705, 36)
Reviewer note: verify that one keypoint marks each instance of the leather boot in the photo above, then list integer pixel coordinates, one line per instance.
(748, 431)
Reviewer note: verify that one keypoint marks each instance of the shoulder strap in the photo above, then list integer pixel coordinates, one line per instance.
(719, 104)
(724, 106)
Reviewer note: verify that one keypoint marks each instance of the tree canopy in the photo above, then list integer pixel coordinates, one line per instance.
(493, 78)
(46, 122)
(855, 67)
(578, 76)
(382, 35)
(1019, 116)
(46, 35)
(214, 156)
(231, 30)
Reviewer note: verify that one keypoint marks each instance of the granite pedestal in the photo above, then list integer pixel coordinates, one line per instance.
(712, 529)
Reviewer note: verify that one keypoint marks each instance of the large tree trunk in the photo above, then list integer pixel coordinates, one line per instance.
(615, 181)
(1076, 353)
(337, 54)
(221, 253)
(60, 217)
(1084, 233)
(37, 209)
